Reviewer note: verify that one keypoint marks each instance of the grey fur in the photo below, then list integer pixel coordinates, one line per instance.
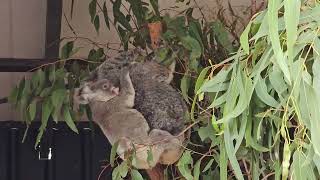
(161, 105)
(113, 112)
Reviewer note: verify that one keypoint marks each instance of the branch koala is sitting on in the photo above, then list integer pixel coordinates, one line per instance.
(112, 108)
(161, 105)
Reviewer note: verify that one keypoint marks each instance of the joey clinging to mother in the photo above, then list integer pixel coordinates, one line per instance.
(112, 111)
(161, 105)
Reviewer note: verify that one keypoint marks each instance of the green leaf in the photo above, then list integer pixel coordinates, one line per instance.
(124, 37)
(96, 23)
(138, 11)
(245, 85)
(45, 92)
(223, 163)
(244, 38)
(113, 153)
(46, 111)
(184, 86)
(92, 9)
(135, 175)
(149, 156)
(273, 6)
(183, 165)
(291, 18)
(58, 96)
(231, 152)
(119, 16)
(240, 136)
(41, 75)
(300, 171)
(249, 140)
(196, 170)
(192, 45)
(105, 15)
(277, 81)
(201, 79)
(262, 92)
(222, 36)
(13, 95)
(66, 50)
(45, 114)
(206, 132)
(216, 81)
(68, 119)
(155, 6)
(194, 31)
(32, 109)
(39, 136)
(208, 166)
(120, 171)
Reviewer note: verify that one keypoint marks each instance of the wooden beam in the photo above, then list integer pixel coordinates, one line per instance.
(53, 28)
(20, 65)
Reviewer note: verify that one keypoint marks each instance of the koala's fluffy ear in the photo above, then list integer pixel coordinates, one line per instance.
(92, 76)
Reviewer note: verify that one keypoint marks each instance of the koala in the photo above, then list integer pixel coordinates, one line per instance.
(146, 69)
(112, 108)
(161, 105)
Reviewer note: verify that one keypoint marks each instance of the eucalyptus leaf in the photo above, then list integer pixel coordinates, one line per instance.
(69, 120)
(183, 165)
(244, 40)
(135, 175)
(185, 85)
(273, 6)
(92, 9)
(105, 15)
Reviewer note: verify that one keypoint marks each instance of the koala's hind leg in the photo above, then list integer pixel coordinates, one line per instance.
(171, 146)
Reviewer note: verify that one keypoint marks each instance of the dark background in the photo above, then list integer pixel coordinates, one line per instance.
(74, 156)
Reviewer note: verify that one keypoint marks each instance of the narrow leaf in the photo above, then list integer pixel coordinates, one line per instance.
(135, 175)
(113, 153)
(244, 38)
(105, 15)
(291, 18)
(184, 86)
(97, 23)
(92, 9)
(32, 109)
(273, 6)
(68, 119)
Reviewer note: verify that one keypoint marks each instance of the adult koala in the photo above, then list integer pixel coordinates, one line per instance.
(161, 105)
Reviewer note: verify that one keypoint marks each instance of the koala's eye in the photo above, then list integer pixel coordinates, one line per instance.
(105, 86)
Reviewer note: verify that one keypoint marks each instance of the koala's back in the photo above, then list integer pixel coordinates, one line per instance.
(161, 105)
(147, 70)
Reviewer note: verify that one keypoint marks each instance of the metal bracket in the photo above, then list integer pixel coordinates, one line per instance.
(48, 158)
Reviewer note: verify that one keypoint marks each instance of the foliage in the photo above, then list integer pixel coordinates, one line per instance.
(265, 99)
(255, 110)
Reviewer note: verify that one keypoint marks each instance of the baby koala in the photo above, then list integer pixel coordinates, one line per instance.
(162, 106)
(112, 109)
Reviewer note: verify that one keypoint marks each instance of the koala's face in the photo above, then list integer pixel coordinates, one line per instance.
(100, 90)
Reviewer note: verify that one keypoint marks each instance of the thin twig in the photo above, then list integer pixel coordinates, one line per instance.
(268, 175)
(246, 168)
(62, 60)
(102, 171)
